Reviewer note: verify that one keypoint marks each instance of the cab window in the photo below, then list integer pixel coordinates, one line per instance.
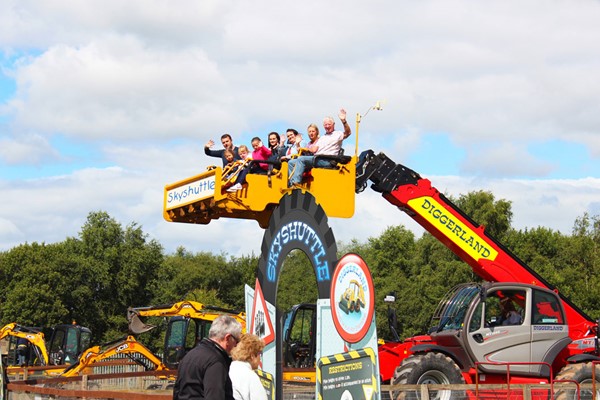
(475, 323)
(302, 328)
(505, 307)
(546, 309)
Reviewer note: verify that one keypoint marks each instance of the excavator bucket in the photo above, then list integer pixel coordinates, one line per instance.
(137, 326)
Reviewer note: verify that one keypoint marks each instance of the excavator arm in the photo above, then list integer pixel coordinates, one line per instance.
(186, 309)
(489, 259)
(34, 337)
(128, 346)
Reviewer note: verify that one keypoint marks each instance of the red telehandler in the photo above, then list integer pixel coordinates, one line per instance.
(548, 339)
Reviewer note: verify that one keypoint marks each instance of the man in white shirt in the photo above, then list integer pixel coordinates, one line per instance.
(329, 143)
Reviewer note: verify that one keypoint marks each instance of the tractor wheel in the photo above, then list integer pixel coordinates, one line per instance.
(581, 373)
(429, 368)
(352, 306)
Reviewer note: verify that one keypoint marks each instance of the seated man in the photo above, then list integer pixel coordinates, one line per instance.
(510, 316)
(328, 144)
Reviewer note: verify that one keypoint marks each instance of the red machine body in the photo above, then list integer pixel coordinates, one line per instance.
(489, 259)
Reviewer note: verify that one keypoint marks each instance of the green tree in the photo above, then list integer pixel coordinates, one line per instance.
(297, 281)
(482, 207)
(184, 272)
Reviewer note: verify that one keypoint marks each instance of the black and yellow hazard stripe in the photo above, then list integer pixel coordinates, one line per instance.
(342, 357)
(268, 383)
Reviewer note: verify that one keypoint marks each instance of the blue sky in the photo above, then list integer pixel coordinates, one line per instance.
(103, 103)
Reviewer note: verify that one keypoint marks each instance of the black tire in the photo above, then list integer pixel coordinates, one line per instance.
(580, 373)
(352, 308)
(297, 207)
(428, 368)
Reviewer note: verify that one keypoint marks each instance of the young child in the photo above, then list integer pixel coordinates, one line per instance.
(261, 152)
(230, 169)
(243, 168)
(243, 151)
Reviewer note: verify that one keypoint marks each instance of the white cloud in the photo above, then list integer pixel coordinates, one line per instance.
(147, 83)
(116, 89)
(507, 159)
(498, 71)
(31, 149)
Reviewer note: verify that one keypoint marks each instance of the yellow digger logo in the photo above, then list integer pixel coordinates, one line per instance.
(353, 298)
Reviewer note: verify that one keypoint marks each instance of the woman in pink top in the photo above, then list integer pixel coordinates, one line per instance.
(261, 152)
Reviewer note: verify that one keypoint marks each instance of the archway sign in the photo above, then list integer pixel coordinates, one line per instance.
(300, 223)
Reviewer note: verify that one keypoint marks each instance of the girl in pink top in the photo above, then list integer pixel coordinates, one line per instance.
(261, 152)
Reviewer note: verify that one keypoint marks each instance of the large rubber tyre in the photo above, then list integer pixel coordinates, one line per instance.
(581, 373)
(297, 207)
(428, 368)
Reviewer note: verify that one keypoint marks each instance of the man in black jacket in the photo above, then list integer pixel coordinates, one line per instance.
(204, 371)
(227, 143)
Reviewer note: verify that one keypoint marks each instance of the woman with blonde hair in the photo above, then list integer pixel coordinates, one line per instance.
(246, 358)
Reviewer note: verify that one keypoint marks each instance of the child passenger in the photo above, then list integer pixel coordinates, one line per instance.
(243, 152)
(232, 168)
(261, 152)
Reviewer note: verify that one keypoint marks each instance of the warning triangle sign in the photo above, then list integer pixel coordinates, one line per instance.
(261, 324)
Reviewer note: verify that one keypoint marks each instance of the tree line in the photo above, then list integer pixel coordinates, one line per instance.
(93, 278)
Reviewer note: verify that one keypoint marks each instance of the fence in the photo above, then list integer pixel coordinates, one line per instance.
(151, 385)
(124, 379)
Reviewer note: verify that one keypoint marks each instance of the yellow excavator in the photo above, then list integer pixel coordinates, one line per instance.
(28, 347)
(128, 346)
(353, 298)
(187, 323)
(32, 345)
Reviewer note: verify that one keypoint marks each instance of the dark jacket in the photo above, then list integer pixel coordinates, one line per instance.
(219, 153)
(203, 373)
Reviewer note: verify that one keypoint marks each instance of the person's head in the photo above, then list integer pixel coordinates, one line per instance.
(291, 134)
(229, 156)
(507, 305)
(249, 349)
(274, 139)
(313, 132)
(243, 151)
(328, 124)
(226, 331)
(255, 142)
(227, 141)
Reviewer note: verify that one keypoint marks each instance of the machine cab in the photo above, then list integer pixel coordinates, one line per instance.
(299, 345)
(501, 323)
(182, 335)
(518, 323)
(67, 342)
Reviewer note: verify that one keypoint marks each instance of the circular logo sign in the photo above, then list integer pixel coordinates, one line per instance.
(352, 298)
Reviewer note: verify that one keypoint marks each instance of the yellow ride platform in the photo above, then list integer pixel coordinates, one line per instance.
(202, 198)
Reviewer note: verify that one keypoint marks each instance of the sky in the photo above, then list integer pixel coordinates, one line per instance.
(103, 103)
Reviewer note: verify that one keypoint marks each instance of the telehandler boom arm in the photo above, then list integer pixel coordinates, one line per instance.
(489, 259)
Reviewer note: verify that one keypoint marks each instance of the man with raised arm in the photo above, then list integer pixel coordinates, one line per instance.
(227, 143)
(330, 143)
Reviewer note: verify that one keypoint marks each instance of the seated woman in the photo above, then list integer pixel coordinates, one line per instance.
(293, 144)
